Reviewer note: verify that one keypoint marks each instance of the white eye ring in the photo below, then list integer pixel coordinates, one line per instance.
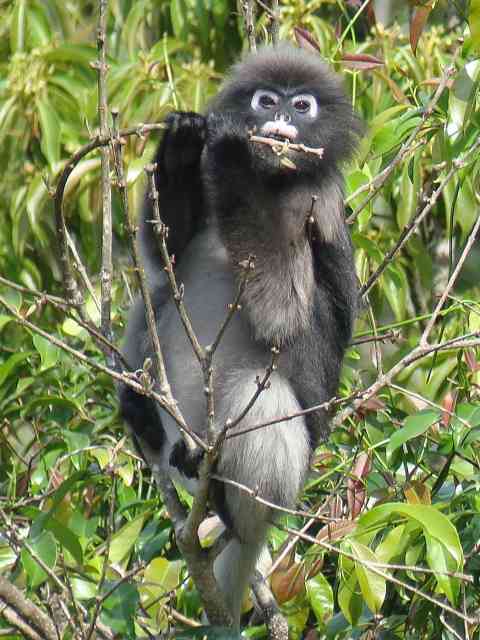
(264, 100)
(308, 104)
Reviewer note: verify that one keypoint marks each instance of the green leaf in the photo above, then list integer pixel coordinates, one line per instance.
(161, 576)
(9, 366)
(50, 128)
(124, 540)
(178, 14)
(66, 539)
(414, 426)
(82, 54)
(83, 589)
(118, 610)
(474, 22)
(7, 111)
(355, 180)
(350, 599)
(8, 557)
(45, 548)
(393, 545)
(66, 486)
(49, 353)
(209, 633)
(394, 284)
(440, 561)
(462, 99)
(320, 596)
(37, 196)
(4, 320)
(132, 26)
(18, 26)
(38, 25)
(372, 585)
(434, 523)
(409, 190)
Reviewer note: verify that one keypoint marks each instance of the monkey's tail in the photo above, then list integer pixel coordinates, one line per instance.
(233, 569)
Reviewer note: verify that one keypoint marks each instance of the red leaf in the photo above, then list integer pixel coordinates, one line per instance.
(361, 61)
(305, 40)
(448, 403)
(372, 404)
(419, 18)
(356, 493)
(471, 360)
(288, 580)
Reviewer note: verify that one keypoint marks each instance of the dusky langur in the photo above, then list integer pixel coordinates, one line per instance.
(225, 197)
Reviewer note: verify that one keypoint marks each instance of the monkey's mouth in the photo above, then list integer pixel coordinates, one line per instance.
(279, 130)
(275, 136)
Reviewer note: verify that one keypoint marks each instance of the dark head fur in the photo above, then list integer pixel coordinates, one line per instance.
(336, 128)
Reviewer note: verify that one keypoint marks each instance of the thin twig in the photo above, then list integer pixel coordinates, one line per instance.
(110, 531)
(376, 567)
(24, 614)
(282, 147)
(456, 272)
(80, 267)
(73, 293)
(107, 267)
(248, 9)
(408, 230)
(379, 181)
(262, 385)
(274, 22)
(128, 379)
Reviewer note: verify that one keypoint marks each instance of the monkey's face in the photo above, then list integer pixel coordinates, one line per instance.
(284, 116)
(286, 95)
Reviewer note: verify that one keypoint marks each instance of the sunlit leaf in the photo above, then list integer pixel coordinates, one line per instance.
(320, 596)
(50, 126)
(49, 353)
(372, 585)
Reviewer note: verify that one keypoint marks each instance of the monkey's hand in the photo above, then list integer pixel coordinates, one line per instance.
(181, 147)
(187, 462)
(228, 141)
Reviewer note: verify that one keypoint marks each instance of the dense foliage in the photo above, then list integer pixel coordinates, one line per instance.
(399, 479)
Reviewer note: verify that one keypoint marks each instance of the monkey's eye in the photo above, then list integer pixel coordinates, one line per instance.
(305, 104)
(263, 99)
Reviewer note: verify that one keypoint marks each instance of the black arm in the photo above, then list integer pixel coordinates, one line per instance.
(179, 182)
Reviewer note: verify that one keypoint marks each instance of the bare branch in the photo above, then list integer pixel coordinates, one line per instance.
(248, 9)
(23, 614)
(411, 141)
(106, 273)
(409, 229)
(281, 148)
(456, 272)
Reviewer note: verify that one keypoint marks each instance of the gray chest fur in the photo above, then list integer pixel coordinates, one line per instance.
(209, 287)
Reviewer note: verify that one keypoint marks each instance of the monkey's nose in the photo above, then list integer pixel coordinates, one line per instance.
(285, 117)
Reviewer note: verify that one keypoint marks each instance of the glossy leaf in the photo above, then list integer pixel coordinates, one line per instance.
(50, 128)
(124, 539)
(372, 585)
(414, 426)
(320, 596)
(49, 353)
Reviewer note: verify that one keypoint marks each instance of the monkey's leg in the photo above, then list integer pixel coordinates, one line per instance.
(271, 461)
